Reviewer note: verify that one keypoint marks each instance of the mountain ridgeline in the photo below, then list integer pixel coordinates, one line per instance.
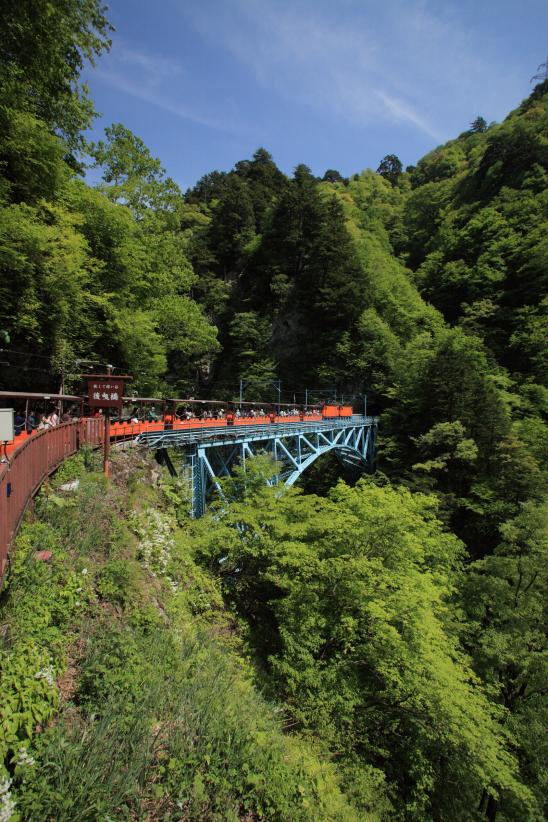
(397, 624)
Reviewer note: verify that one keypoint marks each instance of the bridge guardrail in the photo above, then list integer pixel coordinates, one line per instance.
(30, 463)
(36, 456)
(166, 438)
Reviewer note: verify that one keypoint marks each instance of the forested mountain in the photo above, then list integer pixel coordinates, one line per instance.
(86, 274)
(398, 622)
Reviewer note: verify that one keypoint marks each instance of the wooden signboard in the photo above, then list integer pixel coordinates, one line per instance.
(105, 392)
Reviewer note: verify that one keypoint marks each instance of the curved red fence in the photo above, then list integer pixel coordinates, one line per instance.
(32, 459)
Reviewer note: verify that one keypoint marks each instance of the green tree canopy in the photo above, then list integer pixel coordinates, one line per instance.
(44, 45)
(390, 167)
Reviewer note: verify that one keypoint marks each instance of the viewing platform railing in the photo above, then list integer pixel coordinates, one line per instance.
(31, 459)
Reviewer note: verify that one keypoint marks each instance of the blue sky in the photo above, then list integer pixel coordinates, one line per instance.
(331, 83)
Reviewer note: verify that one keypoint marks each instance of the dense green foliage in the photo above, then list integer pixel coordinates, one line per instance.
(349, 603)
(398, 623)
(123, 638)
(86, 274)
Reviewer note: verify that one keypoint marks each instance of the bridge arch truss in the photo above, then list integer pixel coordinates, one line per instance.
(211, 455)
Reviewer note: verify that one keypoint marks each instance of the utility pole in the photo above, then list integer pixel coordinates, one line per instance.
(61, 391)
(278, 386)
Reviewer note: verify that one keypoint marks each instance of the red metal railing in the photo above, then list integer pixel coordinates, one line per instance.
(30, 463)
(32, 457)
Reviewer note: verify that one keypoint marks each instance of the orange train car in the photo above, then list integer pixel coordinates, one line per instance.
(336, 411)
(125, 429)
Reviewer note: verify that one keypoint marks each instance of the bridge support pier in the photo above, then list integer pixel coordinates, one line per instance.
(197, 481)
(163, 458)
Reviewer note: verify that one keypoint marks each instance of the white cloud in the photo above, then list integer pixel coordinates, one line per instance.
(154, 67)
(404, 112)
(406, 64)
(149, 77)
(406, 61)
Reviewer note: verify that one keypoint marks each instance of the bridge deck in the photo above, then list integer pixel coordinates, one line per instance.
(234, 435)
(210, 454)
(210, 451)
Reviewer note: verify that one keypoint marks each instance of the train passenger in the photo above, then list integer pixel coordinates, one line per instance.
(32, 422)
(152, 416)
(18, 423)
(44, 422)
(65, 417)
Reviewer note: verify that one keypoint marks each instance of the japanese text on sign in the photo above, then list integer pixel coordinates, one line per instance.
(105, 394)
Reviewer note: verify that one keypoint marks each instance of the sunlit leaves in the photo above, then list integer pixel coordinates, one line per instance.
(350, 596)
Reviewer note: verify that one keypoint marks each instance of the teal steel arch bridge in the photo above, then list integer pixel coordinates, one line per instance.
(211, 453)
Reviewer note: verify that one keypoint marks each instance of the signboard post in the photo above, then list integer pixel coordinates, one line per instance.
(106, 391)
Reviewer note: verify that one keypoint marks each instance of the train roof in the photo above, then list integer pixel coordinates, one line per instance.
(25, 395)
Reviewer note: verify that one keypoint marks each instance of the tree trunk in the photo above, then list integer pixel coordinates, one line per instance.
(491, 810)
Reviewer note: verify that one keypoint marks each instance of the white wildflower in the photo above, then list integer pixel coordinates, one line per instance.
(7, 803)
(23, 757)
(156, 543)
(84, 571)
(47, 674)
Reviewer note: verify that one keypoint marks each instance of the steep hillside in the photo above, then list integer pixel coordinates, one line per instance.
(126, 692)
(372, 651)
(476, 228)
